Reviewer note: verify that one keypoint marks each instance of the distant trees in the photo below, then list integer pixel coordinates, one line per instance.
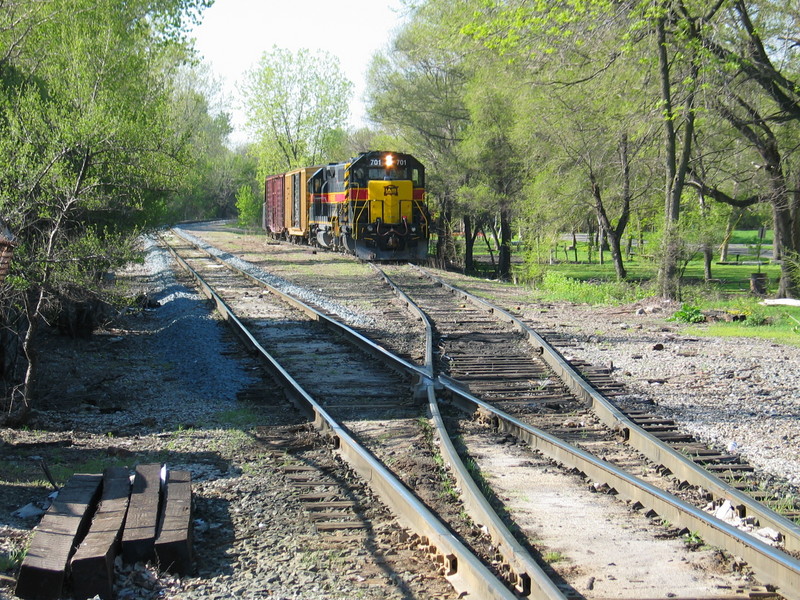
(297, 106)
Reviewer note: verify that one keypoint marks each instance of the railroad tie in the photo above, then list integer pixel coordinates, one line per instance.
(325, 511)
(43, 570)
(138, 539)
(92, 566)
(173, 546)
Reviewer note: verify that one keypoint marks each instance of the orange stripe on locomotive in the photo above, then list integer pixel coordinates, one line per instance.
(373, 206)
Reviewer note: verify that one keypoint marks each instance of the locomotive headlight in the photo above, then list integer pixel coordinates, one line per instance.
(370, 228)
(413, 229)
(389, 161)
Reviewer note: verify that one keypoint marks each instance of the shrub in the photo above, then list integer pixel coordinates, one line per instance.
(561, 287)
(688, 314)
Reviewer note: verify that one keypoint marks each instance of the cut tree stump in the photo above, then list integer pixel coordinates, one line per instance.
(139, 536)
(174, 542)
(92, 567)
(43, 571)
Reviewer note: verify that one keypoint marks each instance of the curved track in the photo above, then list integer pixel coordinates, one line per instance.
(544, 390)
(366, 390)
(500, 368)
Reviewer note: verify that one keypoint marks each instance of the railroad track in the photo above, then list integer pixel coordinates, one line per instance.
(539, 388)
(517, 385)
(379, 406)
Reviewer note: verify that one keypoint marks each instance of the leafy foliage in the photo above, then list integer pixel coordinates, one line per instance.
(89, 143)
(248, 205)
(296, 107)
(688, 314)
(559, 286)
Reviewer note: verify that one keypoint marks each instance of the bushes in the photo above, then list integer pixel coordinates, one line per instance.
(559, 286)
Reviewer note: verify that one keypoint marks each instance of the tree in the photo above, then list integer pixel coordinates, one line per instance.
(489, 146)
(87, 145)
(297, 108)
(248, 205)
(755, 62)
(416, 94)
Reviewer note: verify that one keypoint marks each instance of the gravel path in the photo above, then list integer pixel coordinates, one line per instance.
(739, 395)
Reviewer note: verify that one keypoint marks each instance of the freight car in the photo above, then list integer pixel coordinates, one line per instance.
(372, 206)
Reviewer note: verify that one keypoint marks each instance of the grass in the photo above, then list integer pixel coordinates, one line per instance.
(11, 561)
(588, 282)
(553, 556)
(779, 324)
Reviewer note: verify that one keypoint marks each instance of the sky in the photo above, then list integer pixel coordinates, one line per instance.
(235, 33)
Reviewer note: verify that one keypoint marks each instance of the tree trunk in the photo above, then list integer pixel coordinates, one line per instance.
(574, 247)
(601, 243)
(469, 245)
(504, 255)
(445, 245)
(787, 288)
(612, 234)
(730, 226)
(708, 257)
(676, 166)
(488, 244)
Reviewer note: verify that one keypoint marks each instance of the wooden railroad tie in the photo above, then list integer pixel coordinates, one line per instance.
(94, 518)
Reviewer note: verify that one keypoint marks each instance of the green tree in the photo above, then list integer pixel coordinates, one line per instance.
(490, 146)
(756, 68)
(416, 94)
(297, 105)
(87, 143)
(248, 205)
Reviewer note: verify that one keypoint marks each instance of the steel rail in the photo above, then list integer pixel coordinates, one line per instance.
(653, 448)
(774, 566)
(524, 572)
(462, 568)
(769, 562)
(345, 330)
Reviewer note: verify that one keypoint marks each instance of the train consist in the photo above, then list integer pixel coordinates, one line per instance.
(372, 206)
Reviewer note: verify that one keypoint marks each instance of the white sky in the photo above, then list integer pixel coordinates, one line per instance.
(235, 33)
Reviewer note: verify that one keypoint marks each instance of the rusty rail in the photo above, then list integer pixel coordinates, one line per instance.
(464, 571)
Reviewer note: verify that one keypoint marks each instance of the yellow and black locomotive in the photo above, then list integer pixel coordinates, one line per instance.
(372, 206)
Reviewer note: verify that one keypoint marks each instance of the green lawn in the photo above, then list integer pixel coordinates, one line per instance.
(729, 291)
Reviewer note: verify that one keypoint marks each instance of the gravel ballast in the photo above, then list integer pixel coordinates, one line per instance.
(132, 393)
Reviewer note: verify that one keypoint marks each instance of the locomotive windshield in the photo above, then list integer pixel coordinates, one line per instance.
(397, 174)
(360, 176)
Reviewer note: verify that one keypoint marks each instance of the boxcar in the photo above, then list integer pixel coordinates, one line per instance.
(273, 217)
